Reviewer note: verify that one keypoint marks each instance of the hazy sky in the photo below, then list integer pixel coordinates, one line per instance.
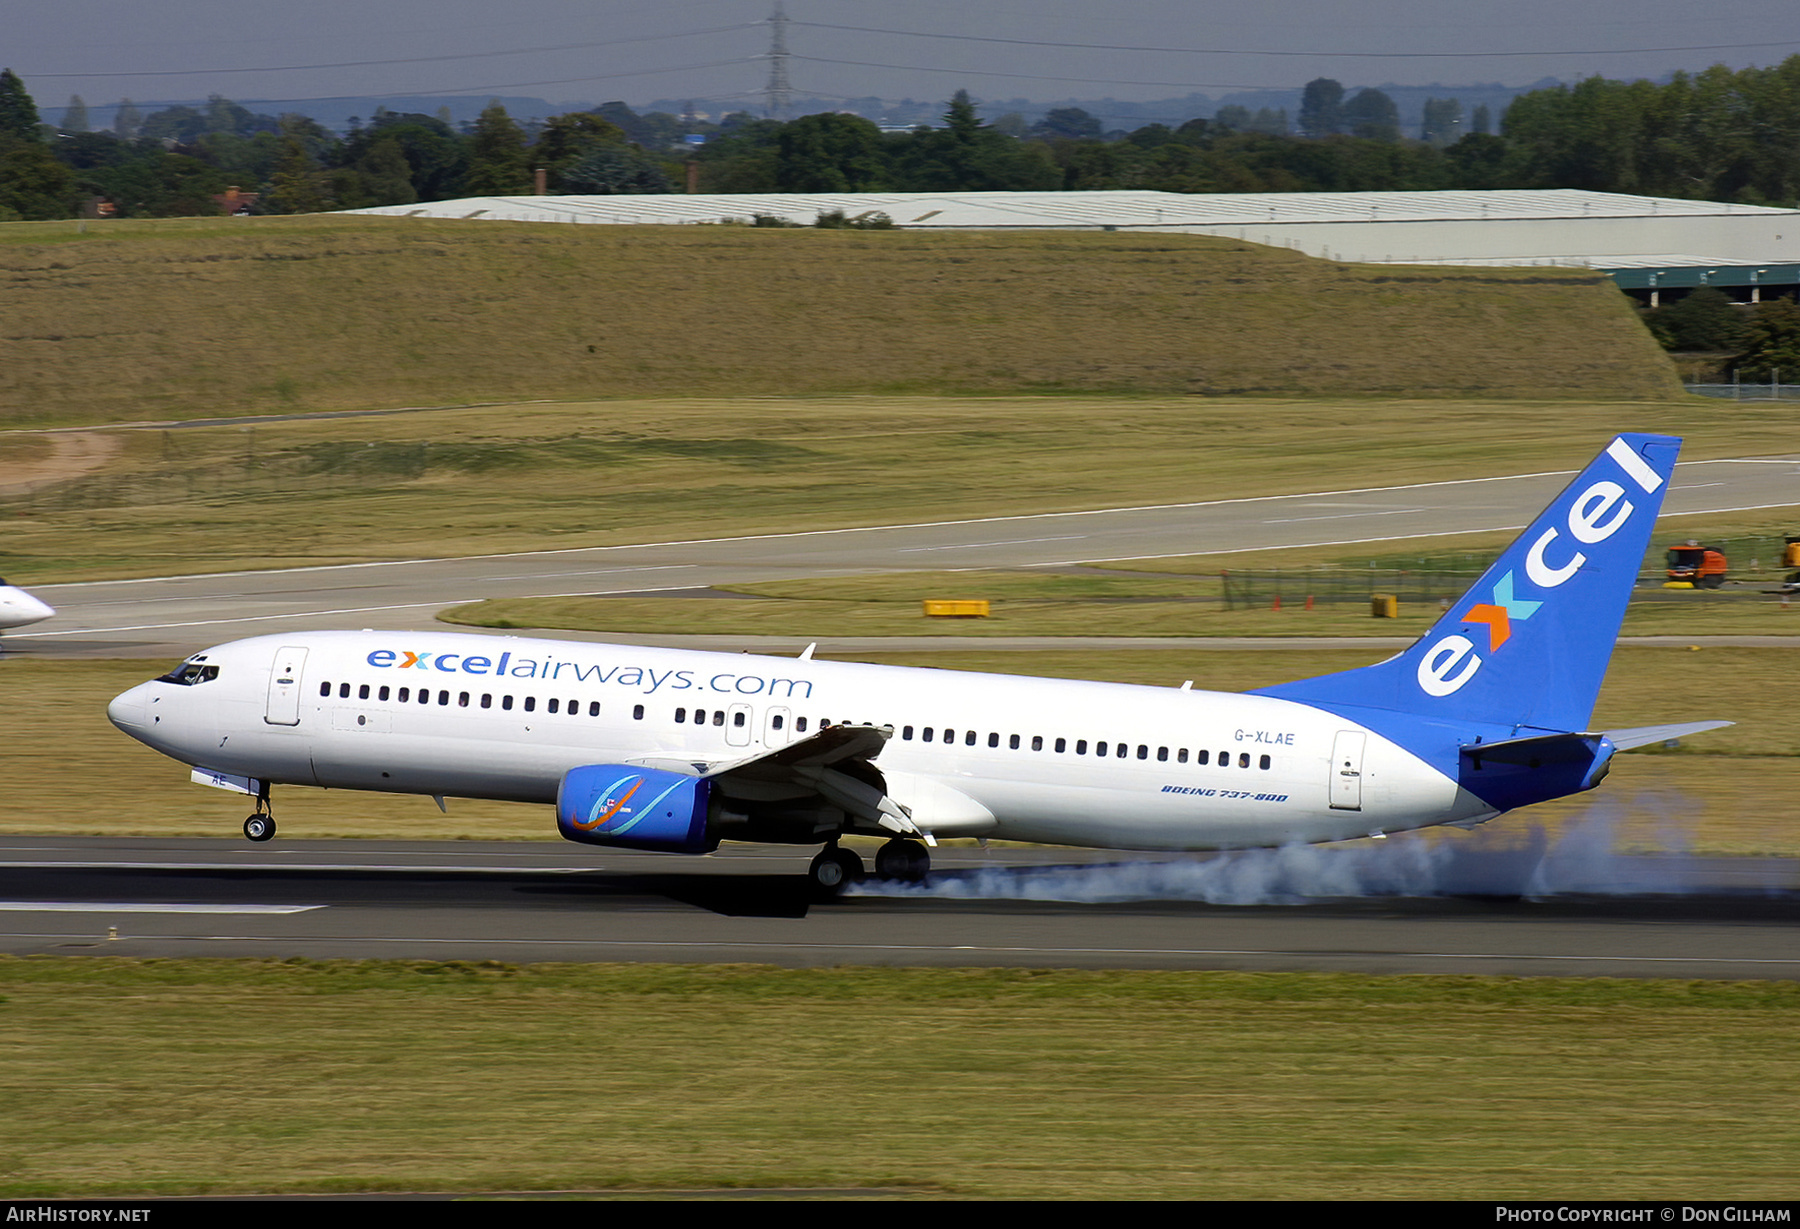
(638, 50)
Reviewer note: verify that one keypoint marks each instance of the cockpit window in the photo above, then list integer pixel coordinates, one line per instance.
(190, 673)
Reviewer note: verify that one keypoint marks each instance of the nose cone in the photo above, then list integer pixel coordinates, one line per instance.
(17, 607)
(127, 710)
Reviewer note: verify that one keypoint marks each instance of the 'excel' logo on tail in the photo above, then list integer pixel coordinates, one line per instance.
(1500, 614)
(1600, 511)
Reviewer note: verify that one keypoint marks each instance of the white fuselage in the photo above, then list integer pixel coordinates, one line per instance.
(17, 607)
(1049, 760)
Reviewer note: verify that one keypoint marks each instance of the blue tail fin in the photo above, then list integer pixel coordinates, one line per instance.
(1527, 646)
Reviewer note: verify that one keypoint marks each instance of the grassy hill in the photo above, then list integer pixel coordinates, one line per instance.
(141, 320)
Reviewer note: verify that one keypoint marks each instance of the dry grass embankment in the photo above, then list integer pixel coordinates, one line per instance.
(138, 320)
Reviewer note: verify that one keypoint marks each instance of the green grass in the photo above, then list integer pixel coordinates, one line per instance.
(126, 321)
(522, 477)
(174, 1077)
(1031, 603)
(1731, 791)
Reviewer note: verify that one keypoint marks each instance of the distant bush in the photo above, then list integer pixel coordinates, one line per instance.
(1707, 319)
(1771, 341)
(835, 220)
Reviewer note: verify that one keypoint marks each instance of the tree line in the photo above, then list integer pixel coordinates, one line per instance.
(1758, 342)
(1719, 134)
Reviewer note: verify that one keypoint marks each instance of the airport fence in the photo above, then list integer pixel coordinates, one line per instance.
(1774, 390)
(1755, 567)
(1324, 586)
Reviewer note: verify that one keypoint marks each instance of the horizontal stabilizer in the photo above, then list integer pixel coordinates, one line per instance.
(1521, 771)
(1537, 752)
(1644, 735)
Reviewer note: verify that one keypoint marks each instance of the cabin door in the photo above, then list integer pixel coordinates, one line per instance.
(1346, 770)
(777, 727)
(737, 726)
(284, 687)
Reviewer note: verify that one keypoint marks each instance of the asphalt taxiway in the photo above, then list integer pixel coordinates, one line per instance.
(173, 616)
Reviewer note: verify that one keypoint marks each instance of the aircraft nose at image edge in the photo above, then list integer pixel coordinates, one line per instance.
(18, 608)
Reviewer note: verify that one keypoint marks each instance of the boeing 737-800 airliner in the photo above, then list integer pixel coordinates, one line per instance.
(674, 750)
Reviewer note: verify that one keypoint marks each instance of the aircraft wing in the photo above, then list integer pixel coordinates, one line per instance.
(837, 764)
(830, 745)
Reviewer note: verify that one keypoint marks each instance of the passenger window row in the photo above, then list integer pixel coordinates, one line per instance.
(739, 720)
(1101, 748)
(466, 699)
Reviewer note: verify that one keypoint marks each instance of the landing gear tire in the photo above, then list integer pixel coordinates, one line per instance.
(907, 861)
(833, 870)
(259, 827)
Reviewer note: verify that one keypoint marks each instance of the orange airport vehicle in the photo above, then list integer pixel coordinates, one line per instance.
(1790, 558)
(1694, 566)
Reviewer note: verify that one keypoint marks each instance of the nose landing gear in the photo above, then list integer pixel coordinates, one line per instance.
(260, 826)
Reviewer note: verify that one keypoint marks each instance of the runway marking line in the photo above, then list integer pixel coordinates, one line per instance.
(107, 906)
(388, 867)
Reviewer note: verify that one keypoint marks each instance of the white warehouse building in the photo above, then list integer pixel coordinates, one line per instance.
(1555, 227)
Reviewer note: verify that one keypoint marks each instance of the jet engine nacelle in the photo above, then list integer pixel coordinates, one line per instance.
(636, 808)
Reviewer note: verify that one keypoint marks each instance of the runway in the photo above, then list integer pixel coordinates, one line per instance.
(173, 616)
(527, 902)
(1723, 918)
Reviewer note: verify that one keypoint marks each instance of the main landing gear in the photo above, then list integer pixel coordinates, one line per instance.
(836, 868)
(907, 861)
(833, 870)
(260, 826)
